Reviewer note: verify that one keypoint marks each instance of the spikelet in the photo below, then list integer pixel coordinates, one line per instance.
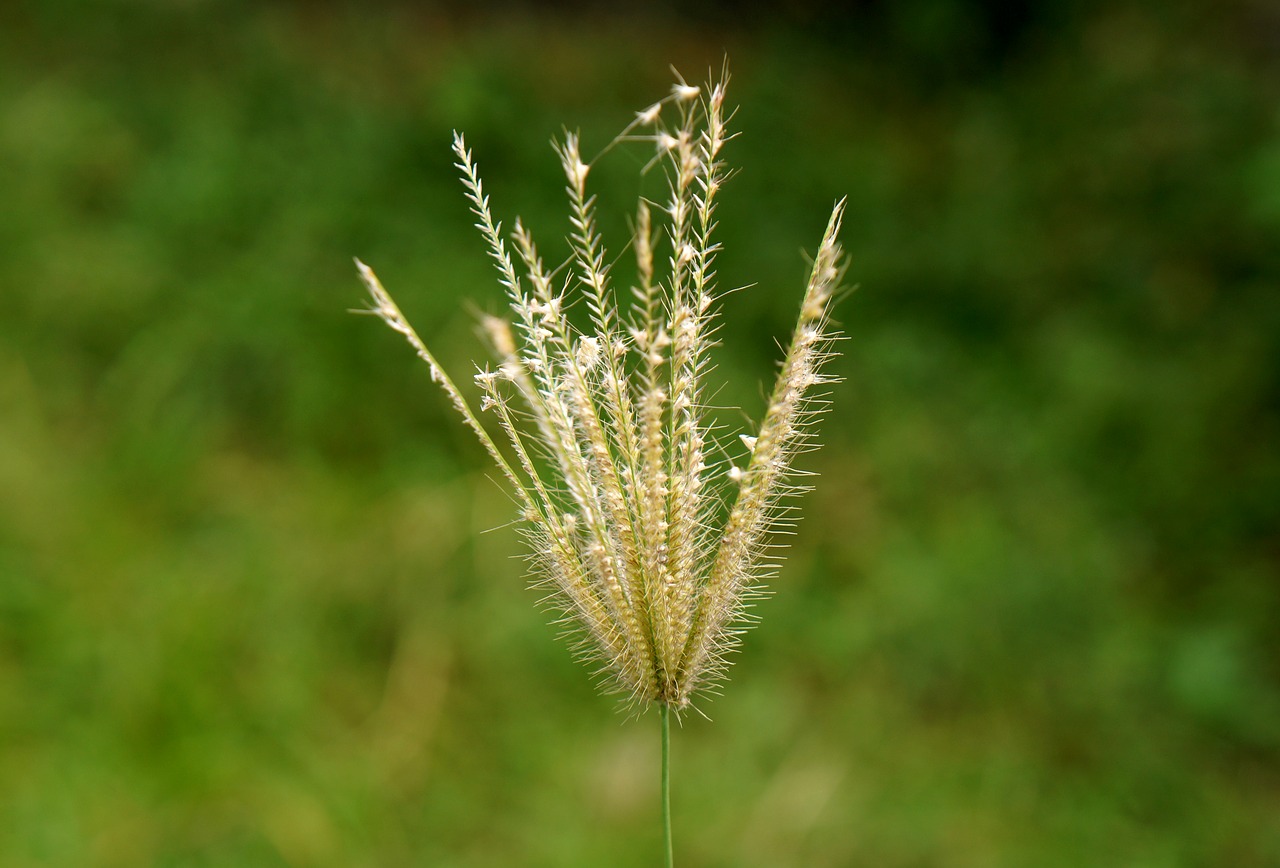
(650, 545)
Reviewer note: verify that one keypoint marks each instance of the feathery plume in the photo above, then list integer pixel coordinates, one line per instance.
(651, 545)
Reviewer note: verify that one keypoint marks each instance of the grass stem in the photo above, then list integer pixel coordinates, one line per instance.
(666, 784)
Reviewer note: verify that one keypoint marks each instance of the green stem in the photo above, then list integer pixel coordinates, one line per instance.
(666, 785)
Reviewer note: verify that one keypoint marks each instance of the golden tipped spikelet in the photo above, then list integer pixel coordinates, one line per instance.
(652, 538)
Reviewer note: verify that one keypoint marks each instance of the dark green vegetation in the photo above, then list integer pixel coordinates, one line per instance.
(247, 615)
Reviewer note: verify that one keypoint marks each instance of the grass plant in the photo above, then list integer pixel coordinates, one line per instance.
(651, 529)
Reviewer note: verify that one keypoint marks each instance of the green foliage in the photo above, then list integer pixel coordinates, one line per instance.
(247, 615)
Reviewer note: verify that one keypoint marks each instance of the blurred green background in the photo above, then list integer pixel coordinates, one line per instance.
(249, 611)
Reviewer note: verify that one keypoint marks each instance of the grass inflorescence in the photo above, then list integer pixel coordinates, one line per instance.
(651, 529)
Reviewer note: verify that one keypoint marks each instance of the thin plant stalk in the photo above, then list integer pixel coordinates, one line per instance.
(666, 785)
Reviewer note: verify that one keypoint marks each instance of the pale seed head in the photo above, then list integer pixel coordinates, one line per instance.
(650, 544)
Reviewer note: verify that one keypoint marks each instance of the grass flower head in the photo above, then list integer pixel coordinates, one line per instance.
(652, 532)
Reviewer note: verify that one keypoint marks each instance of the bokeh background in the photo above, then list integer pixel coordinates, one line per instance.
(258, 606)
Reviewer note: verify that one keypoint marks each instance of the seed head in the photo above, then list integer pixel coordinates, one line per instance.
(648, 537)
